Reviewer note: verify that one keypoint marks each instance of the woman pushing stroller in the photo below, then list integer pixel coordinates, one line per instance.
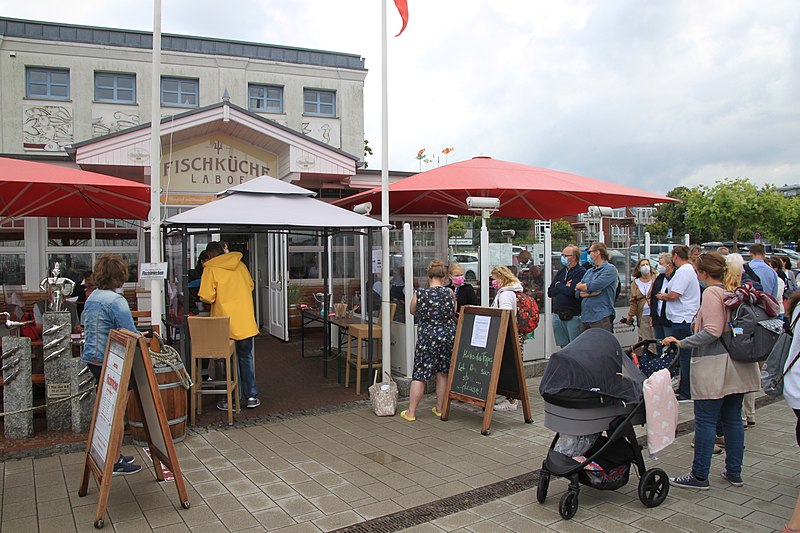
(718, 383)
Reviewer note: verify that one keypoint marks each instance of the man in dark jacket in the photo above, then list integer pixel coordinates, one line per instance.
(566, 307)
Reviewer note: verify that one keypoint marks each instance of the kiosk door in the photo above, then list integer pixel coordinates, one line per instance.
(277, 272)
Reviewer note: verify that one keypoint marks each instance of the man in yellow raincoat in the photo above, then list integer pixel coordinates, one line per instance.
(226, 284)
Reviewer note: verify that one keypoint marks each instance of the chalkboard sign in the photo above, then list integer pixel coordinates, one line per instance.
(127, 354)
(486, 360)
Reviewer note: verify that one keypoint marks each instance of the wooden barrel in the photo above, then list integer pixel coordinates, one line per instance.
(174, 398)
(295, 318)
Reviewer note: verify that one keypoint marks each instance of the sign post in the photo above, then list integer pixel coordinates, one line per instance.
(127, 354)
(487, 360)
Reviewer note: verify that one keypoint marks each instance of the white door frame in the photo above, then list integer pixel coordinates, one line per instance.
(277, 276)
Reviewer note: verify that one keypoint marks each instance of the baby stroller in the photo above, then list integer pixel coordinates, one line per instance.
(592, 392)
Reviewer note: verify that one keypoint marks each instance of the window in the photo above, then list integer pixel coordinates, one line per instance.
(114, 87)
(179, 92)
(78, 242)
(12, 252)
(316, 102)
(49, 83)
(266, 98)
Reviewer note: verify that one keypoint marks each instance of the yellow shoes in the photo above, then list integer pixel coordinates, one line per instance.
(404, 416)
(435, 411)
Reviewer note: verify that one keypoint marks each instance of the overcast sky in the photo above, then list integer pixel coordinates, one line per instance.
(649, 94)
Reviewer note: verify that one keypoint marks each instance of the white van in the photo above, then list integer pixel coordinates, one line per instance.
(637, 250)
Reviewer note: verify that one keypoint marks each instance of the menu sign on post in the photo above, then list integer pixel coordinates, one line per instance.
(486, 360)
(127, 355)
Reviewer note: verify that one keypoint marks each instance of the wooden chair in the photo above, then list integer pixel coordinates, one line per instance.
(141, 318)
(360, 332)
(210, 337)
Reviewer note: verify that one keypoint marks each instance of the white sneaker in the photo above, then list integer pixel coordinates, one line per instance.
(505, 405)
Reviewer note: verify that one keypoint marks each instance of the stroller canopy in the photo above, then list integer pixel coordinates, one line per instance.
(593, 363)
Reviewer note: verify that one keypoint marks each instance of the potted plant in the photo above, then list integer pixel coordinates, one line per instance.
(294, 294)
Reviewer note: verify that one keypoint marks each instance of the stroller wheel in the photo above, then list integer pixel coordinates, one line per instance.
(653, 487)
(568, 505)
(541, 489)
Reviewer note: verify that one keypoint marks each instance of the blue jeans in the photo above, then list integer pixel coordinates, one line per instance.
(247, 368)
(681, 330)
(706, 413)
(566, 331)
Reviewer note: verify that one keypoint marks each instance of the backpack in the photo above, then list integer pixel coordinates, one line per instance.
(28, 330)
(527, 313)
(752, 334)
(774, 369)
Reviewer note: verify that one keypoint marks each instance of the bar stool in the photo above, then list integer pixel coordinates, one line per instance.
(360, 332)
(210, 337)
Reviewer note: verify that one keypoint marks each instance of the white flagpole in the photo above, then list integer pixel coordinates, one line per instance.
(156, 285)
(386, 345)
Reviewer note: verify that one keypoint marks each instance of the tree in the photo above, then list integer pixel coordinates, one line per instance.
(561, 234)
(673, 215)
(657, 230)
(735, 210)
(456, 229)
(367, 151)
(521, 226)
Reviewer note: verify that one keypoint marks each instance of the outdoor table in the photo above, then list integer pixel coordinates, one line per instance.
(309, 316)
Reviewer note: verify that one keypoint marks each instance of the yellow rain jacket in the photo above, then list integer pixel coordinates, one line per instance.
(227, 285)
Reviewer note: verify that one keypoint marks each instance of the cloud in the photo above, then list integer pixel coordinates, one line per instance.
(647, 94)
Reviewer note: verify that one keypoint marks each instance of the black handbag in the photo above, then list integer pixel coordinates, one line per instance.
(565, 314)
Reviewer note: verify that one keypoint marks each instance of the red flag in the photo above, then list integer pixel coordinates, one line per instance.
(402, 7)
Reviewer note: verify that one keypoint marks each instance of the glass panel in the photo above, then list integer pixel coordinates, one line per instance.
(60, 77)
(12, 234)
(169, 85)
(188, 87)
(62, 92)
(326, 109)
(105, 94)
(344, 265)
(326, 98)
(255, 103)
(303, 239)
(12, 269)
(189, 99)
(104, 80)
(72, 265)
(126, 82)
(125, 95)
(116, 236)
(69, 237)
(309, 107)
(169, 98)
(274, 92)
(255, 90)
(37, 90)
(304, 265)
(37, 76)
(132, 258)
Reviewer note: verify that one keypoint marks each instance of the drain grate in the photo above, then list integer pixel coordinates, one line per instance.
(446, 506)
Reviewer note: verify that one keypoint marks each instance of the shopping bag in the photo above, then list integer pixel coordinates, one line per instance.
(383, 396)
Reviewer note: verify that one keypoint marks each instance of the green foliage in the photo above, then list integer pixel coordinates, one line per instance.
(456, 229)
(561, 234)
(657, 230)
(367, 151)
(732, 209)
(294, 293)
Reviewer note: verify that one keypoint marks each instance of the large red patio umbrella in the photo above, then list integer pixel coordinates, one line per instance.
(31, 189)
(524, 191)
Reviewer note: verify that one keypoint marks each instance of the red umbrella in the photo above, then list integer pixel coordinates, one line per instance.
(524, 191)
(30, 189)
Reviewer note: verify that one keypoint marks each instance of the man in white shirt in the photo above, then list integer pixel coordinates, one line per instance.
(683, 301)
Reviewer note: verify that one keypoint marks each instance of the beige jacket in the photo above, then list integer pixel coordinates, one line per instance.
(714, 374)
(637, 300)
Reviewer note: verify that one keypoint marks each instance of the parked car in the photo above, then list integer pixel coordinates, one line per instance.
(470, 264)
(793, 256)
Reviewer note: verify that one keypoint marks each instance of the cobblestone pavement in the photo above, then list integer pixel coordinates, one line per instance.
(349, 469)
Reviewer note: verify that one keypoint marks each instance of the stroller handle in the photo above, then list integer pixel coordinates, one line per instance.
(673, 346)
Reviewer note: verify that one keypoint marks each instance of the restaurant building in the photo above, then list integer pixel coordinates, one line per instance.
(230, 111)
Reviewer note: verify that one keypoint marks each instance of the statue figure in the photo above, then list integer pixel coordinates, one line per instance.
(57, 289)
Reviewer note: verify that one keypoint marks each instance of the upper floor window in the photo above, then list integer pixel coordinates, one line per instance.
(266, 98)
(115, 87)
(50, 83)
(180, 92)
(318, 102)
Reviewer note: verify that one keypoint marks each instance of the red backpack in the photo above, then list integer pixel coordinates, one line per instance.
(527, 313)
(28, 330)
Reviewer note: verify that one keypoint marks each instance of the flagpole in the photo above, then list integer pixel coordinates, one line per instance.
(386, 274)
(156, 285)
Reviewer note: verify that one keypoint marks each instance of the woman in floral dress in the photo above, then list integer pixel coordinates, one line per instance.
(433, 308)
